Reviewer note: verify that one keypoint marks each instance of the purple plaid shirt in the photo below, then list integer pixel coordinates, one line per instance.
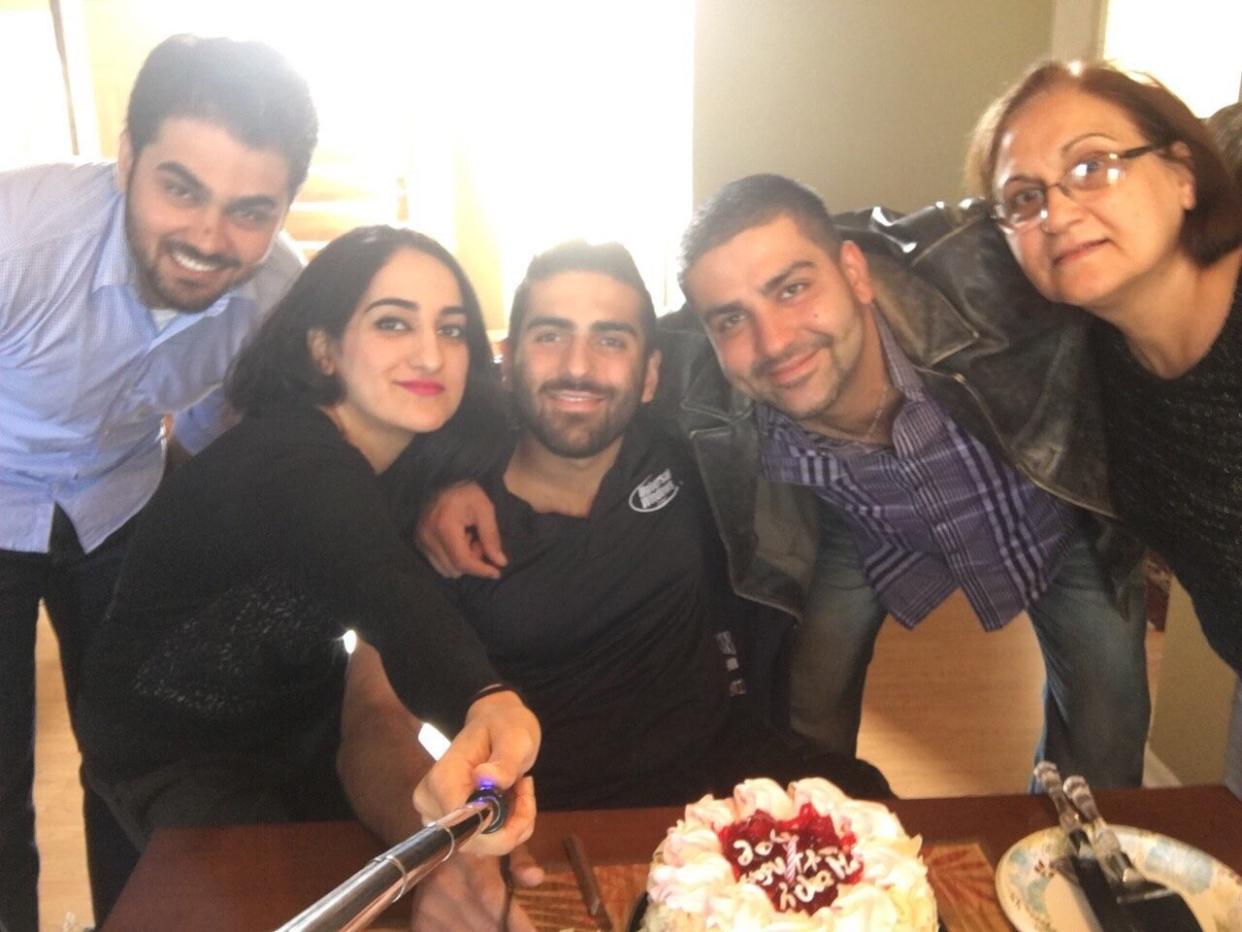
(931, 513)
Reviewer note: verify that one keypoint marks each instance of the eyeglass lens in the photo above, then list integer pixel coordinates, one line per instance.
(1094, 172)
(1026, 203)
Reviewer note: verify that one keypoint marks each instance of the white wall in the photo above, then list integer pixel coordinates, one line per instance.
(869, 101)
(1077, 28)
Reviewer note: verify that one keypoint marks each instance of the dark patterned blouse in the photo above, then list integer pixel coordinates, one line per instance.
(1175, 457)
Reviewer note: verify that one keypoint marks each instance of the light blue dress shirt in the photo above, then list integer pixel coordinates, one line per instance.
(86, 372)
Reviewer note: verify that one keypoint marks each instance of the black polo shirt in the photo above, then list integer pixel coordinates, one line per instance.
(607, 624)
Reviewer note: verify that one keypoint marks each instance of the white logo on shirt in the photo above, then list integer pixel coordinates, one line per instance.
(654, 492)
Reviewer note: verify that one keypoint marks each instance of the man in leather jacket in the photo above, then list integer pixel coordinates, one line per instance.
(864, 392)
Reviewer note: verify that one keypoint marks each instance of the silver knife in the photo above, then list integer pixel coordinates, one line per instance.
(1091, 877)
(1149, 905)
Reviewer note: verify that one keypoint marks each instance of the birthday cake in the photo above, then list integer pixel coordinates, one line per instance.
(809, 858)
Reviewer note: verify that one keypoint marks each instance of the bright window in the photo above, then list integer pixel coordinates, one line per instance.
(1191, 46)
(35, 121)
(500, 128)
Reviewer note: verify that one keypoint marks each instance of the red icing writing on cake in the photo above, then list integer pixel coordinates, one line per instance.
(798, 862)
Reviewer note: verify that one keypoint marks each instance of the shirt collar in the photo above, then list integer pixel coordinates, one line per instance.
(900, 370)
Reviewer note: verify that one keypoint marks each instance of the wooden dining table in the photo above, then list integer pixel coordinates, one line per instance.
(256, 877)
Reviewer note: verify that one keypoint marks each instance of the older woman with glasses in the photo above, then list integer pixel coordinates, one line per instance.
(1113, 197)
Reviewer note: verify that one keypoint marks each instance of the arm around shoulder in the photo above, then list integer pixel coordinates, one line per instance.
(458, 533)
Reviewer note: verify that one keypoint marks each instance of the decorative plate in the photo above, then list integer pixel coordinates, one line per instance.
(1036, 887)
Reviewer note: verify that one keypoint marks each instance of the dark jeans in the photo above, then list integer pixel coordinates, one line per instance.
(75, 588)
(1096, 705)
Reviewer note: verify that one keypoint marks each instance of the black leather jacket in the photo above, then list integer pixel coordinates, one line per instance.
(1007, 365)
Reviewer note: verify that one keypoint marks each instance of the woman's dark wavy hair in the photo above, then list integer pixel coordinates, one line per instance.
(1212, 228)
(277, 369)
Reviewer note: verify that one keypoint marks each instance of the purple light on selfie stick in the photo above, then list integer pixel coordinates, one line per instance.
(489, 793)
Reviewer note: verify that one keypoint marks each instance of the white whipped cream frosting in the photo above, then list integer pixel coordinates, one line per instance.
(691, 875)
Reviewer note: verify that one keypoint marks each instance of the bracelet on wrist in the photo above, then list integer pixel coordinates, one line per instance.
(492, 689)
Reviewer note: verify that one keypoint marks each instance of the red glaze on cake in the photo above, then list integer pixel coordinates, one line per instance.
(799, 863)
(809, 859)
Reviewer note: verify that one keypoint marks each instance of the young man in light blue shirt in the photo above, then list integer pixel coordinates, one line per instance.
(125, 292)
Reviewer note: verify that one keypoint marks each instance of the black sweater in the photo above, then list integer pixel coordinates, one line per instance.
(605, 623)
(1175, 459)
(243, 572)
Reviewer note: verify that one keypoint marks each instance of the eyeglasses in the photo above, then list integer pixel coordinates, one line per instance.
(1022, 203)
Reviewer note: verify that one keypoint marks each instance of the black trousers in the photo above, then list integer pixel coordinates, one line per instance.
(76, 588)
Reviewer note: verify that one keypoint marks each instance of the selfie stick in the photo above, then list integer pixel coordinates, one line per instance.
(356, 903)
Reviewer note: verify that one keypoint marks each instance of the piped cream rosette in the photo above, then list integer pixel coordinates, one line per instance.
(692, 887)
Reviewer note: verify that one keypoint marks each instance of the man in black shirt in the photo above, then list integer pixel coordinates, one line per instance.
(612, 615)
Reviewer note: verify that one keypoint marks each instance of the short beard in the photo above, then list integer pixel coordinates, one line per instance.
(153, 292)
(569, 443)
(847, 369)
